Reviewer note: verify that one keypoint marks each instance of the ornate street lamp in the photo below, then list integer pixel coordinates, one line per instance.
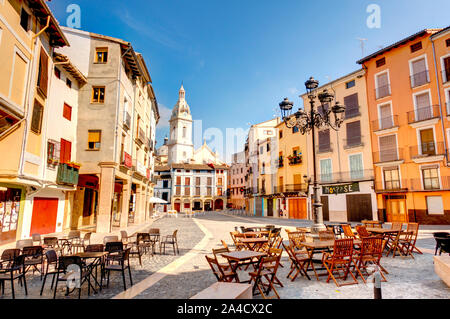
(308, 121)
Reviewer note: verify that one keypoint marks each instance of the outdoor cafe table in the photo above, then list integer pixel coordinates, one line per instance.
(98, 260)
(254, 243)
(243, 257)
(256, 233)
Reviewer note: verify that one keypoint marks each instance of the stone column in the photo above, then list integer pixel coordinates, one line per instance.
(139, 208)
(105, 196)
(125, 204)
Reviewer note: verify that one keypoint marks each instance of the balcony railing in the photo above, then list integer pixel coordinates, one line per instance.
(392, 186)
(353, 141)
(349, 176)
(67, 175)
(141, 135)
(429, 184)
(352, 112)
(290, 188)
(382, 91)
(127, 120)
(423, 114)
(427, 149)
(419, 78)
(295, 159)
(324, 148)
(388, 155)
(385, 123)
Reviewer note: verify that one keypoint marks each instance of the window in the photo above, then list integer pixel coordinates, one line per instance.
(36, 120)
(391, 178)
(197, 181)
(382, 85)
(94, 139)
(187, 181)
(101, 55)
(427, 145)
(68, 83)
(351, 105)
(446, 71)
(178, 180)
(353, 134)
(53, 151)
(42, 82)
(388, 148)
(209, 191)
(197, 191)
(416, 47)
(295, 129)
(356, 166)
(57, 73)
(219, 181)
(187, 191)
(350, 84)
(325, 170)
(419, 73)
(324, 141)
(209, 181)
(184, 131)
(435, 205)
(165, 184)
(165, 196)
(423, 110)
(380, 62)
(386, 119)
(66, 151)
(219, 191)
(67, 112)
(98, 94)
(178, 191)
(25, 20)
(447, 42)
(430, 177)
(280, 134)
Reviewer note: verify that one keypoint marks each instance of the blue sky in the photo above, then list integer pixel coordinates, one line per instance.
(239, 58)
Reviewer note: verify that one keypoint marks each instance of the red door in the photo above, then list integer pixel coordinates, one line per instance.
(177, 207)
(45, 211)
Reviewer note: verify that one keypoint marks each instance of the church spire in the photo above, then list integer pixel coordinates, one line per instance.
(182, 92)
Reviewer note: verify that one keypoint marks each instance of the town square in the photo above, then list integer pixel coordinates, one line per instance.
(221, 154)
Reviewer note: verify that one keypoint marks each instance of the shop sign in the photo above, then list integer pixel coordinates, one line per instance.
(340, 189)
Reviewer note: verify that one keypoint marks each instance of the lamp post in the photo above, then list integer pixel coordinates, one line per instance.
(309, 121)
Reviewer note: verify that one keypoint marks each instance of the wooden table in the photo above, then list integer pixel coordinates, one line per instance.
(254, 244)
(226, 290)
(256, 233)
(243, 257)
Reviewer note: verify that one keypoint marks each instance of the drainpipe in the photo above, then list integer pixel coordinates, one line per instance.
(440, 104)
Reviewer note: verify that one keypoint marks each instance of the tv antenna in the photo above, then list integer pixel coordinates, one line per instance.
(362, 45)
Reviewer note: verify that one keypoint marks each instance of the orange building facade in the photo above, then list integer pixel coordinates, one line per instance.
(408, 92)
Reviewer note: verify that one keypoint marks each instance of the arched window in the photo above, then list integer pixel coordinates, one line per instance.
(184, 131)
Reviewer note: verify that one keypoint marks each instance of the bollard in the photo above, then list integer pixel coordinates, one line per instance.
(377, 285)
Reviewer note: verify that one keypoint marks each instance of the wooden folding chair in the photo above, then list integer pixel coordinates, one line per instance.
(296, 238)
(267, 271)
(235, 236)
(300, 262)
(340, 260)
(362, 232)
(370, 254)
(223, 275)
(411, 245)
(223, 262)
(276, 252)
(348, 232)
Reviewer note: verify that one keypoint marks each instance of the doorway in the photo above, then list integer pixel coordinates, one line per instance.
(270, 207)
(45, 212)
(396, 209)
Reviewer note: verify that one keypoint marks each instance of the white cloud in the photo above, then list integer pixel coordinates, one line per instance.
(164, 113)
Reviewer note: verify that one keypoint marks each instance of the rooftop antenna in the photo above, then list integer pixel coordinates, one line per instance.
(362, 45)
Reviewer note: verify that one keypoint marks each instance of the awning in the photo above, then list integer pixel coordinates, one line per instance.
(157, 200)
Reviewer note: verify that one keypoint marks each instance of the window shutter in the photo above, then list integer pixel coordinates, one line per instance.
(351, 104)
(324, 139)
(43, 72)
(36, 120)
(354, 133)
(66, 151)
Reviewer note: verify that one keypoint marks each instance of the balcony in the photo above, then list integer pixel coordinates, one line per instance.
(419, 78)
(385, 123)
(391, 186)
(67, 174)
(382, 91)
(141, 136)
(353, 141)
(324, 148)
(423, 114)
(388, 155)
(426, 149)
(126, 120)
(350, 176)
(352, 112)
(295, 159)
(280, 162)
(439, 183)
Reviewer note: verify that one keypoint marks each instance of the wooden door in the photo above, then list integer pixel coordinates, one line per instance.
(427, 142)
(297, 208)
(359, 207)
(269, 207)
(177, 206)
(258, 206)
(43, 219)
(396, 210)
(325, 209)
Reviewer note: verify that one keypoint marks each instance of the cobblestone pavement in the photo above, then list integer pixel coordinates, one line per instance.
(181, 277)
